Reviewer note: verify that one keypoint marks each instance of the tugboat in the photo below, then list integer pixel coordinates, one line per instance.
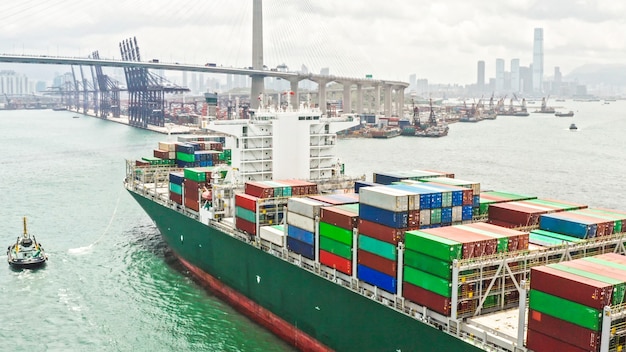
(573, 127)
(26, 252)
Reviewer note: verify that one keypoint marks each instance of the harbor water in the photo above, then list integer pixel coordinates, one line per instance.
(112, 285)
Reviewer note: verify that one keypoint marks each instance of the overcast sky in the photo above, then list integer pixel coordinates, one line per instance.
(391, 39)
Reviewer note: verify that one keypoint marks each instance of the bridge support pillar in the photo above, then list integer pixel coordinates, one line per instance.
(400, 101)
(359, 98)
(347, 97)
(376, 100)
(322, 95)
(388, 108)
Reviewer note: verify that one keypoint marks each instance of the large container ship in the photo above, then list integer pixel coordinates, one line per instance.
(260, 211)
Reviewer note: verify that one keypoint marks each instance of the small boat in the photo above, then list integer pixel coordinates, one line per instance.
(573, 127)
(26, 252)
(75, 117)
(564, 114)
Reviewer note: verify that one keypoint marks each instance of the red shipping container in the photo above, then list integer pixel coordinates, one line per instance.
(423, 297)
(413, 219)
(539, 342)
(575, 288)
(518, 240)
(192, 204)
(245, 226)
(381, 232)
(175, 197)
(474, 244)
(191, 189)
(141, 163)
(563, 330)
(334, 261)
(517, 213)
(376, 262)
(339, 217)
(246, 201)
(259, 190)
(612, 257)
(468, 197)
(502, 223)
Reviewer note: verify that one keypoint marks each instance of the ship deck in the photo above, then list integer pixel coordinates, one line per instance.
(494, 328)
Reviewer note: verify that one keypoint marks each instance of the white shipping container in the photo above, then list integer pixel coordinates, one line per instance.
(424, 217)
(301, 221)
(395, 200)
(172, 155)
(305, 206)
(168, 146)
(457, 213)
(274, 234)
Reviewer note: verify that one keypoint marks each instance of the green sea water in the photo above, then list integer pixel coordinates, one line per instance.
(112, 285)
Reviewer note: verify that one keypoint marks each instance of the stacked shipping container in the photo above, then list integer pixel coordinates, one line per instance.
(428, 258)
(567, 300)
(526, 212)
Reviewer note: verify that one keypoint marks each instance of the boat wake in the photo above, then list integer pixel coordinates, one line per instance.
(89, 248)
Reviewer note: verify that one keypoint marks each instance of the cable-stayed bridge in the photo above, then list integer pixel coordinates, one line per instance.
(148, 97)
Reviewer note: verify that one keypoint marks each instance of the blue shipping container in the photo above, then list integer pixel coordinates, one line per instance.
(466, 213)
(383, 216)
(376, 278)
(177, 177)
(299, 247)
(446, 215)
(571, 227)
(301, 234)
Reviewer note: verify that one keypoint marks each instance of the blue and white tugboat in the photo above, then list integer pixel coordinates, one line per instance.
(26, 252)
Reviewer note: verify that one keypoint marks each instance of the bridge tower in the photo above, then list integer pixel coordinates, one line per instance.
(258, 86)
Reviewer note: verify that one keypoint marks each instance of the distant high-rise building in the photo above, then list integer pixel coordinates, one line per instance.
(526, 79)
(412, 82)
(538, 61)
(13, 83)
(499, 75)
(325, 71)
(480, 79)
(515, 78)
(558, 80)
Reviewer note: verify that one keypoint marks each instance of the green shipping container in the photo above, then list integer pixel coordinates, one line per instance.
(336, 233)
(435, 216)
(427, 281)
(383, 249)
(338, 248)
(438, 247)
(428, 264)
(446, 199)
(561, 308)
(195, 174)
(178, 189)
(190, 158)
(245, 214)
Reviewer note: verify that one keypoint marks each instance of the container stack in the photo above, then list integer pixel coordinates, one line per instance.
(471, 195)
(176, 187)
(385, 213)
(527, 212)
(262, 202)
(428, 258)
(567, 299)
(301, 225)
(196, 182)
(336, 240)
(441, 205)
(494, 197)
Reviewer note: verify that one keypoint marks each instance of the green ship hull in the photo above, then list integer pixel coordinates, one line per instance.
(333, 315)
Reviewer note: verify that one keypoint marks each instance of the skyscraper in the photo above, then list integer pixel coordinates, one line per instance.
(499, 75)
(538, 61)
(480, 79)
(515, 79)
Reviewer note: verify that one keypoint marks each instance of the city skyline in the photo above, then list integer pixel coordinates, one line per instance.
(389, 40)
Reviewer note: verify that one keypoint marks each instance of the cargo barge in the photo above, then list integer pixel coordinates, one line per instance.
(415, 260)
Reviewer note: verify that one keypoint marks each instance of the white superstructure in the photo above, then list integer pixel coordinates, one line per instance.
(283, 143)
